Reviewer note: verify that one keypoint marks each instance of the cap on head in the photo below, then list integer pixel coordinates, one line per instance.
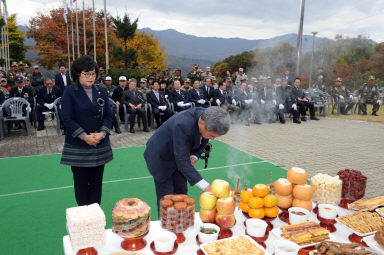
(338, 79)
(208, 68)
(155, 67)
(35, 67)
(278, 80)
(213, 78)
(254, 79)
(371, 77)
(3, 79)
(143, 80)
(241, 69)
(19, 79)
(108, 78)
(14, 63)
(188, 80)
(21, 63)
(261, 77)
(122, 78)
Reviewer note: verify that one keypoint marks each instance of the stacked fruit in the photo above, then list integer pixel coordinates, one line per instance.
(294, 191)
(218, 206)
(257, 203)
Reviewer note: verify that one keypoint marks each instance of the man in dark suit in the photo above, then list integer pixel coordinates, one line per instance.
(301, 103)
(223, 100)
(159, 104)
(244, 96)
(208, 89)
(134, 102)
(174, 148)
(197, 95)
(62, 79)
(45, 98)
(179, 97)
(20, 90)
(117, 95)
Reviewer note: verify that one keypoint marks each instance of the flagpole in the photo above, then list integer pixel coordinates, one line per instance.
(7, 50)
(85, 32)
(77, 32)
(94, 31)
(106, 38)
(2, 41)
(73, 40)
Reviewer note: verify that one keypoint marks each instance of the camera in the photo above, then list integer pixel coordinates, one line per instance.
(206, 150)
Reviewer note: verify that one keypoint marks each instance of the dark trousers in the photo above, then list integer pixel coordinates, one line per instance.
(302, 109)
(88, 184)
(161, 118)
(176, 184)
(132, 116)
(39, 112)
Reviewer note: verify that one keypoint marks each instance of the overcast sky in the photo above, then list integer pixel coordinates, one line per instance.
(251, 19)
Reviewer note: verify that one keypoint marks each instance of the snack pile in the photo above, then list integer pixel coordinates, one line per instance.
(177, 212)
(85, 226)
(334, 248)
(326, 189)
(305, 233)
(379, 237)
(354, 184)
(131, 217)
(367, 204)
(234, 246)
(362, 222)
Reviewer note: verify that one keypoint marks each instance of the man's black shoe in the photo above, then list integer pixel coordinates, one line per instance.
(282, 121)
(40, 127)
(375, 114)
(296, 121)
(132, 130)
(303, 118)
(118, 131)
(314, 118)
(364, 113)
(247, 123)
(146, 130)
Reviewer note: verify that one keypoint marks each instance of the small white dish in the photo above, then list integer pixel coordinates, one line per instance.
(203, 237)
(327, 211)
(256, 227)
(164, 241)
(371, 242)
(286, 247)
(297, 215)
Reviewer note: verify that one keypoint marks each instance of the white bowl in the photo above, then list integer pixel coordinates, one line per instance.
(286, 247)
(204, 238)
(327, 211)
(296, 218)
(256, 227)
(164, 241)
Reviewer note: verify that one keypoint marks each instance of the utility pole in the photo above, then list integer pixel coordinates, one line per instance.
(313, 49)
(94, 31)
(106, 38)
(300, 37)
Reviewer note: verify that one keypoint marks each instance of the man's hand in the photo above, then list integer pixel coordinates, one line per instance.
(208, 188)
(211, 100)
(132, 106)
(193, 161)
(138, 106)
(117, 102)
(98, 136)
(91, 140)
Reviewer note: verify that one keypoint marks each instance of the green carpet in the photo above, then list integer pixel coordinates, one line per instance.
(36, 190)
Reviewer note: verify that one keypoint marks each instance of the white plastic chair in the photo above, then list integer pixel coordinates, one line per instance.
(17, 109)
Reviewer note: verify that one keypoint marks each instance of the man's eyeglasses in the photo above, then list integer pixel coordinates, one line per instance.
(49, 83)
(88, 74)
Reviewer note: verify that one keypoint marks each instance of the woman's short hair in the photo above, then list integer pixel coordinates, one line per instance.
(83, 63)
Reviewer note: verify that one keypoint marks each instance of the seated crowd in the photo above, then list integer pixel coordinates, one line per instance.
(160, 95)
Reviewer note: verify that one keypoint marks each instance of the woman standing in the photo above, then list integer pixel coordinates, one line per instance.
(87, 118)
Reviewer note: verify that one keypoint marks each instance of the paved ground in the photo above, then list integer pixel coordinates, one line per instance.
(324, 146)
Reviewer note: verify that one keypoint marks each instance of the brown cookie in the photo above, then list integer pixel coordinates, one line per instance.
(178, 198)
(165, 203)
(180, 206)
(190, 201)
(168, 197)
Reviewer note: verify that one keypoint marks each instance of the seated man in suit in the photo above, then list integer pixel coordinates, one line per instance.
(223, 100)
(174, 148)
(118, 94)
(2, 97)
(62, 79)
(208, 89)
(134, 102)
(244, 96)
(159, 104)
(20, 90)
(301, 103)
(45, 98)
(197, 95)
(179, 97)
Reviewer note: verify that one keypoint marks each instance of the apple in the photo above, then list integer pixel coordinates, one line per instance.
(226, 205)
(220, 188)
(225, 221)
(208, 216)
(207, 201)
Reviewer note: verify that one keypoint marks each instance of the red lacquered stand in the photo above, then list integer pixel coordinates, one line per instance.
(344, 202)
(357, 239)
(316, 210)
(87, 251)
(199, 252)
(134, 243)
(327, 224)
(152, 246)
(225, 233)
(260, 240)
(180, 237)
(284, 215)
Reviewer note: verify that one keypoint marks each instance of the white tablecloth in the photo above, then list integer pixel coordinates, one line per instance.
(189, 247)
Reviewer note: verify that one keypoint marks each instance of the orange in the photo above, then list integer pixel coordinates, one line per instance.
(245, 195)
(244, 207)
(256, 202)
(270, 200)
(271, 212)
(260, 190)
(256, 213)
